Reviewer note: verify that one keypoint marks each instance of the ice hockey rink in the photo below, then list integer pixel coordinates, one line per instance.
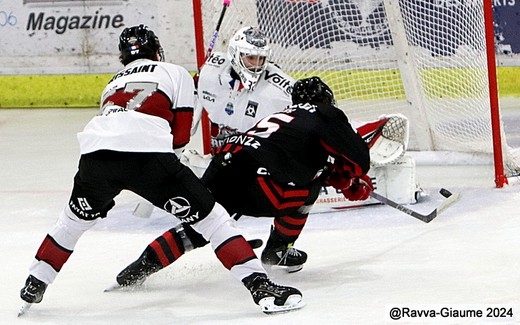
(362, 262)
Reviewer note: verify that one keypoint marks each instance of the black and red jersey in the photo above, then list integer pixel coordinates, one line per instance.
(295, 144)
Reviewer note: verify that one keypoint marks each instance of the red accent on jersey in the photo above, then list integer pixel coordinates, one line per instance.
(348, 166)
(214, 129)
(278, 196)
(52, 253)
(158, 104)
(234, 251)
(181, 127)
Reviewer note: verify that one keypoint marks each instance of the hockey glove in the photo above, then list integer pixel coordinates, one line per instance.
(336, 179)
(359, 188)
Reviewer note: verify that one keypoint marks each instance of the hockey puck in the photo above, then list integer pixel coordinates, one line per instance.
(444, 192)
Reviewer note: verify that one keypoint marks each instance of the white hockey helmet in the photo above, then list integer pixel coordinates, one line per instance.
(248, 53)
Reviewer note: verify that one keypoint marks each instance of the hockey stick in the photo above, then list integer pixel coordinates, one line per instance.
(204, 119)
(214, 37)
(450, 199)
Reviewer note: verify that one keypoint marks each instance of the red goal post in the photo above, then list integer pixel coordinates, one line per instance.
(432, 61)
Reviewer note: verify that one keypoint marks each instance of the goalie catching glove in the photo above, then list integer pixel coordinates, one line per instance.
(353, 188)
(386, 137)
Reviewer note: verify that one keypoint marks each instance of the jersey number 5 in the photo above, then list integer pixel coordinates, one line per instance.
(265, 127)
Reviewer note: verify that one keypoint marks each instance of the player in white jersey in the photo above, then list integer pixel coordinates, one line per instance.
(145, 114)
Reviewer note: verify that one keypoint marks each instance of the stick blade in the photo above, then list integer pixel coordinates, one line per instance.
(448, 202)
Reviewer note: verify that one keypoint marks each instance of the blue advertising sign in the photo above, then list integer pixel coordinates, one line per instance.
(364, 22)
(507, 25)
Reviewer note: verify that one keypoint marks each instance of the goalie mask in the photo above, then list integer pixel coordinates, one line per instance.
(312, 90)
(139, 42)
(249, 53)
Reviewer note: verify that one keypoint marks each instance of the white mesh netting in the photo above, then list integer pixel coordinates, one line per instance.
(423, 59)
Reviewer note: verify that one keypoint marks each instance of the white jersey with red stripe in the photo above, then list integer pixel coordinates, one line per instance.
(146, 107)
(231, 107)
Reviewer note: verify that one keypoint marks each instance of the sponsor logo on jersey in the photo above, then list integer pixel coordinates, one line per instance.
(80, 209)
(251, 108)
(262, 171)
(279, 81)
(83, 204)
(229, 109)
(113, 109)
(243, 140)
(181, 208)
(178, 206)
(210, 97)
(216, 60)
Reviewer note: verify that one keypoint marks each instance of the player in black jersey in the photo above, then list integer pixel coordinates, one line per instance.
(276, 169)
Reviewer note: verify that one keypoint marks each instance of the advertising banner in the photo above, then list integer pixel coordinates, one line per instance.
(441, 26)
(66, 35)
(80, 36)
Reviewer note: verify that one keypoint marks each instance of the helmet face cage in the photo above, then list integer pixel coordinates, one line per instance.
(312, 90)
(248, 41)
(139, 42)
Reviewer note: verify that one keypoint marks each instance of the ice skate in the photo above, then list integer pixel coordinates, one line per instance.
(285, 256)
(271, 297)
(136, 273)
(33, 290)
(31, 293)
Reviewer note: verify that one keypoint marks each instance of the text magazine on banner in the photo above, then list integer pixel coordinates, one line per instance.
(73, 36)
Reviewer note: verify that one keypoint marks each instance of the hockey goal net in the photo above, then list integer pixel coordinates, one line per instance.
(426, 59)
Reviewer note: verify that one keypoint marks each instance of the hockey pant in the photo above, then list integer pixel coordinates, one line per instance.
(242, 190)
(159, 178)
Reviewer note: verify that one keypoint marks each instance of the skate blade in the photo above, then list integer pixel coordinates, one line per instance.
(295, 268)
(133, 287)
(24, 308)
(293, 303)
(288, 269)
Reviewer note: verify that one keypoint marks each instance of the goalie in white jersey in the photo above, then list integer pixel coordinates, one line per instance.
(145, 114)
(240, 87)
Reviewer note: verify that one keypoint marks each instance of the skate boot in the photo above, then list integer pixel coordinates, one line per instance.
(286, 256)
(271, 297)
(137, 272)
(33, 290)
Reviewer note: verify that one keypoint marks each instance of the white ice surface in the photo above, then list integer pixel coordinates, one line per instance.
(361, 262)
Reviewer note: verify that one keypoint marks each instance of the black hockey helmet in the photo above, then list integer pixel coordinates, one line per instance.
(139, 42)
(312, 90)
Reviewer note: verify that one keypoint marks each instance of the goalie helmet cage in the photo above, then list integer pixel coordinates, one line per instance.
(433, 61)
